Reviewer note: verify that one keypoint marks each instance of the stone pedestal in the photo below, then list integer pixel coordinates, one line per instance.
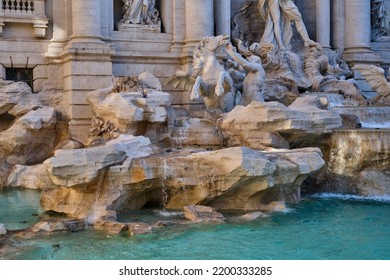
(358, 33)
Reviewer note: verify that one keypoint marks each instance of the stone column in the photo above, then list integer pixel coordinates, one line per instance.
(86, 64)
(166, 7)
(338, 25)
(106, 14)
(199, 17)
(358, 32)
(222, 14)
(178, 28)
(59, 29)
(86, 20)
(323, 22)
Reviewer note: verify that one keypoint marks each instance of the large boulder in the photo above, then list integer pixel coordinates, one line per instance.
(30, 139)
(271, 124)
(71, 168)
(17, 99)
(29, 177)
(233, 178)
(76, 176)
(134, 112)
(203, 214)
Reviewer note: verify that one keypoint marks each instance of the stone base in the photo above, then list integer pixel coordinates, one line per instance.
(129, 27)
(361, 56)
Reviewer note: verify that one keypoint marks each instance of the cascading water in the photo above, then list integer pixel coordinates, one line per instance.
(96, 210)
(359, 162)
(370, 117)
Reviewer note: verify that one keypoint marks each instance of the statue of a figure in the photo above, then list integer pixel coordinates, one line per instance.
(254, 79)
(279, 15)
(139, 11)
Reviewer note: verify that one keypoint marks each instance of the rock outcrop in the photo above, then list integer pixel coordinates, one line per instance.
(30, 139)
(271, 124)
(233, 178)
(133, 112)
(203, 214)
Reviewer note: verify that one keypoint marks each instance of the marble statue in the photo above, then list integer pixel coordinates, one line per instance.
(279, 14)
(254, 79)
(375, 76)
(209, 79)
(139, 12)
(380, 20)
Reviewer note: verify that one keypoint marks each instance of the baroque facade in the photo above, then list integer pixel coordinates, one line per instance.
(72, 47)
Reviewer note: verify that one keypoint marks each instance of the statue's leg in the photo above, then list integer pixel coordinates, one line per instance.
(199, 89)
(224, 84)
(274, 10)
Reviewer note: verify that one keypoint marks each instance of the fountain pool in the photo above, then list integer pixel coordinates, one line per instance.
(331, 227)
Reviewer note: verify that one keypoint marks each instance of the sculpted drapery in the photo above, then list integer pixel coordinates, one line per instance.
(137, 11)
(279, 15)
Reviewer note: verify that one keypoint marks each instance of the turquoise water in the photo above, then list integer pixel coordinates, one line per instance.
(325, 227)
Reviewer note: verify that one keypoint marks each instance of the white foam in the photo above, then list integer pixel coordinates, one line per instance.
(168, 214)
(351, 197)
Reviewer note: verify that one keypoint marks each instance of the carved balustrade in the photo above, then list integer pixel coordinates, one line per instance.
(24, 11)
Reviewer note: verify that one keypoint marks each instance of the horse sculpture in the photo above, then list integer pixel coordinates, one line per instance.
(209, 79)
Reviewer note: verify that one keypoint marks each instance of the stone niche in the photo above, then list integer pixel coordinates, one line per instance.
(380, 20)
(138, 16)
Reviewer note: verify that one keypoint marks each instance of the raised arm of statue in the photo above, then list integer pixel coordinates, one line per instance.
(254, 79)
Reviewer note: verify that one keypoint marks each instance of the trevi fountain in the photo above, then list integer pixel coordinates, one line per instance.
(249, 140)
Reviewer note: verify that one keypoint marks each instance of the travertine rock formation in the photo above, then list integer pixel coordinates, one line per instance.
(271, 124)
(234, 178)
(71, 168)
(202, 214)
(137, 113)
(30, 139)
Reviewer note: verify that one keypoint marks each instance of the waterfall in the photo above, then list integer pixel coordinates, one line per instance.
(164, 177)
(96, 210)
(370, 117)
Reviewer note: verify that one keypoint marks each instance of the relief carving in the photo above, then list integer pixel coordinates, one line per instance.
(380, 20)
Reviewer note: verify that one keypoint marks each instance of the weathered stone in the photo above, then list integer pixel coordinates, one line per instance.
(203, 214)
(126, 109)
(29, 177)
(111, 227)
(49, 226)
(272, 124)
(69, 168)
(149, 82)
(17, 99)
(195, 132)
(75, 225)
(3, 230)
(166, 223)
(70, 144)
(139, 228)
(30, 139)
(233, 178)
